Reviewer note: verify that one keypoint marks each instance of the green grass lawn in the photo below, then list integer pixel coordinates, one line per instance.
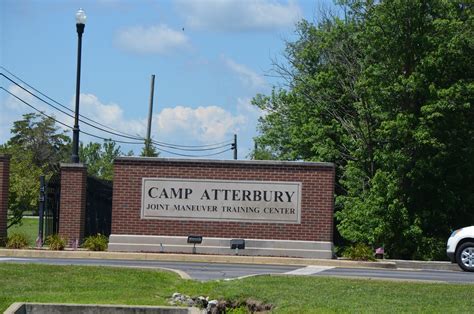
(28, 227)
(110, 285)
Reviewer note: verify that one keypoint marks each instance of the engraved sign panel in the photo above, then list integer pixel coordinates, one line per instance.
(221, 200)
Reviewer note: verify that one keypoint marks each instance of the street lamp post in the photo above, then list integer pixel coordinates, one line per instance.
(80, 25)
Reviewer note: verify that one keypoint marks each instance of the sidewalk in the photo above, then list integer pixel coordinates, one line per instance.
(231, 259)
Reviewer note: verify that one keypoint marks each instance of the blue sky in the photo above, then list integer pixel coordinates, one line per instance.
(210, 57)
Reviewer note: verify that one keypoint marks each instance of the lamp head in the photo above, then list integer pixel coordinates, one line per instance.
(81, 17)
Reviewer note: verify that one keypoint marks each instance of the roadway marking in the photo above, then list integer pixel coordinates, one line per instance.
(14, 259)
(308, 270)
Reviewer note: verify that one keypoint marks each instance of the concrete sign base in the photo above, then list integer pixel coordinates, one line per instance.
(209, 245)
(51, 308)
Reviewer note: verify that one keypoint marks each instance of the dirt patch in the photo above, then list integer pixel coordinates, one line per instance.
(247, 306)
(221, 306)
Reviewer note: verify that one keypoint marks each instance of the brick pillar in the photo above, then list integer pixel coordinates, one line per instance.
(4, 184)
(73, 202)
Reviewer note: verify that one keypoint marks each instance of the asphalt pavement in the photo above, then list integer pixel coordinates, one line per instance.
(193, 270)
(403, 275)
(204, 271)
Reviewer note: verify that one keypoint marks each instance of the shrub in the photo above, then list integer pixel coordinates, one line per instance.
(3, 241)
(359, 252)
(98, 242)
(56, 242)
(17, 241)
(338, 251)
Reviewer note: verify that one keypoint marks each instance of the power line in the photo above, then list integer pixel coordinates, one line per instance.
(56, 102)
(68, 114)
(205, 147)
(102, 138)
(192, 149)
(195, 156)
(62, 123)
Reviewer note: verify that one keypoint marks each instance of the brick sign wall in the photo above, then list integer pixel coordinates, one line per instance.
(4, 184)
(315, 181)
(73, 202)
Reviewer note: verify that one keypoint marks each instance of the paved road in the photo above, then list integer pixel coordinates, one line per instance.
(213, 271)
(408, 275)
(198, 271)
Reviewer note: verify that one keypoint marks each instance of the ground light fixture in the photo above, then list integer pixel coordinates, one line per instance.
(194, 239)
(237, 244)
(80, 25)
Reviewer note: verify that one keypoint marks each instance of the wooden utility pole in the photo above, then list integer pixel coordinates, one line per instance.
(150, 114)
(234, 146)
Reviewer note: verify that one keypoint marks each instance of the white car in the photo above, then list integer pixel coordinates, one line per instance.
(461, 248)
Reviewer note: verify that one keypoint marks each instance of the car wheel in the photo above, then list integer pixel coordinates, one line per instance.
(465, 256)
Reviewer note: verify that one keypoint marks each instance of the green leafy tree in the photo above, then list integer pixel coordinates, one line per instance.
(99, 158)
(37, 146)
(262, 154)
(386, 93)
(43, 138)
(420, 74)
(149, 150)
(24, 184)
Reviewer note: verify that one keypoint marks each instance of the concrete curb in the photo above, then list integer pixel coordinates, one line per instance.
(231, 259)
(44, 308)
(422, 265)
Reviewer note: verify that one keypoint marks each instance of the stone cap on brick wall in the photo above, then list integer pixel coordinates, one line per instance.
(227, 162)
(5, 156)
(72, 165)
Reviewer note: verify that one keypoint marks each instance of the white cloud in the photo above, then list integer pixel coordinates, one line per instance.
(238, 15)
(15, 104)
(246, 75)
(154, 39)
(110, 115)
(209, 124)
(180, 125)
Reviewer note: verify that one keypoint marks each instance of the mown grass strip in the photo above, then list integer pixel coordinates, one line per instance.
(110, 285)
(28, 227)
